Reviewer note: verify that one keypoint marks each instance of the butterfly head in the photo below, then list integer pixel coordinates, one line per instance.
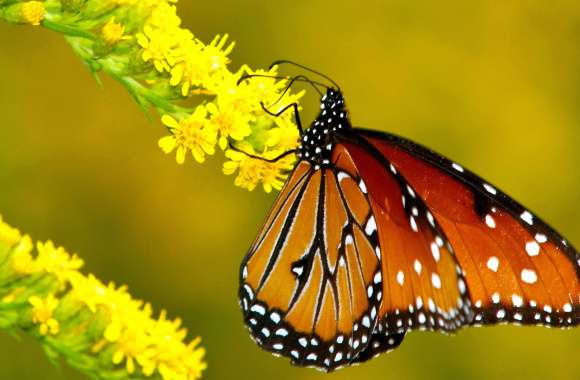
(318, 140)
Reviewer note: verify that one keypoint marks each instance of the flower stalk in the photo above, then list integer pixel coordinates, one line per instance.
(142, 45)
(97, 328)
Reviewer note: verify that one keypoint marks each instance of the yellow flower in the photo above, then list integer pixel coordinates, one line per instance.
(283, 138)
(230, 124)
(193, 133)
(131, 344)
(252, 171)
(157, 47)
(22, 261)
(198, 64)
(33, 12)
(112, 32)
(89, 290)
(42, 310)
(57, 261)
(164, 17)
(8, 235)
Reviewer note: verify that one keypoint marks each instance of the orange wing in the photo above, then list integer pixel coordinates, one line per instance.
(311, 283)
(518, 269)
(423, 284)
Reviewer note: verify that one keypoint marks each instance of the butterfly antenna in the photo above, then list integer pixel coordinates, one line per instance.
(284, 61)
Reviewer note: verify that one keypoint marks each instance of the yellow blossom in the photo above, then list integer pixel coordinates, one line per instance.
(8, 235)
(22, 261)
(192, 133)
(57, 261)
(33, 12)
(252, 171)
(112, 32)
(157, 47)
(42, 310)
(89, 290)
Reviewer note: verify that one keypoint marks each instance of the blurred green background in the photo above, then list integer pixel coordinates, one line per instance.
(494, 86)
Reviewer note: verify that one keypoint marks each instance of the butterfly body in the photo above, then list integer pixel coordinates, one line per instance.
(374, 236)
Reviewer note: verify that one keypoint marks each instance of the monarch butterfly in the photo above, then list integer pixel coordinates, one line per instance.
(373, 236)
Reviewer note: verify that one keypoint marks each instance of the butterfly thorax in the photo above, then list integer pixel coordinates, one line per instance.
(318, 140)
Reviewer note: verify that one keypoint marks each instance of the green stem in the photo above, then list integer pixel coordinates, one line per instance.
(68, 30)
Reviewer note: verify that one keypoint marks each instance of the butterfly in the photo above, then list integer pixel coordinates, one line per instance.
(373, 236)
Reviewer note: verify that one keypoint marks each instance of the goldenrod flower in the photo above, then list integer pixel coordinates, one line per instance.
(8, 235)
(193, 133)
(252, 171)
(100, 325)
(157, 47)
(112, 32)
(33, 12)
(57, 261)
(22, 261)
(42, 310)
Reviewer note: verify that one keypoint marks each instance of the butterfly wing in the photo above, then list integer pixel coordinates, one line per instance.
(310, 284)
(517, 268)
(423, 284)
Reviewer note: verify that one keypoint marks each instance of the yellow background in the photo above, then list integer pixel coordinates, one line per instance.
(494, 85)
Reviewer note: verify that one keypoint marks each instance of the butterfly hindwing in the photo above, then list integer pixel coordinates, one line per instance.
(310, 283)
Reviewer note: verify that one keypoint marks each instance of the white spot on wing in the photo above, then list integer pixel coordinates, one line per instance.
(527, 217)
(493, 263)
(529, 276)
(532, 248)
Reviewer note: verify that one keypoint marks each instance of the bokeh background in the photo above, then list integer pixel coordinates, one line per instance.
(494, 85)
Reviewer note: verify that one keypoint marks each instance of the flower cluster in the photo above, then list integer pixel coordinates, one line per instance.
(99, 328)
(142, 44)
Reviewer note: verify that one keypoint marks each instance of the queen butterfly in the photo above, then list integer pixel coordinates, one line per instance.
(374, 235)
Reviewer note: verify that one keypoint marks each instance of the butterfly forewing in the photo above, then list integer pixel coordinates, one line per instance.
(517, 268)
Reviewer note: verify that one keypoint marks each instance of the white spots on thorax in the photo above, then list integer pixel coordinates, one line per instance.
(490, 221)
(457, 167)
(529, 276)
(527, 217)
(490, 189)
(493, 263)
(532, 248)
(417, 266)
(400, 277)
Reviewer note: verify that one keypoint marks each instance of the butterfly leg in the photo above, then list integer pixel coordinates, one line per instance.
(296, 113)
